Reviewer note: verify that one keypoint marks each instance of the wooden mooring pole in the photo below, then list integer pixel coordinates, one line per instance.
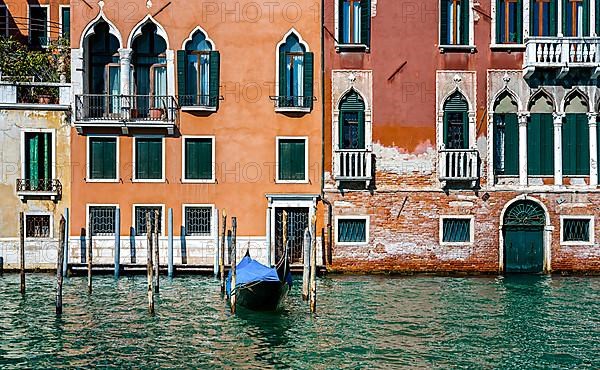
(1, 266)
(156, 252)
(233, 287)
(59, 265)
(170, 245)
(89, 259)
(306, 267)
(313, 267)
(117, 243)
(222, 253)
(149, 267)
(22, 250)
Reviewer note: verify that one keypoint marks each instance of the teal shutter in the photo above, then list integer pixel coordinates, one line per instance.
(575, 141)
(198, 159)
(565, 3)
(569, 134)
(141, 159)
(511, 144)
(586, 17)
(465, 130)
(282, 79)
(582, 150)
(214, 79)
(464, 23)
(533, 145)
(298, 160)
(33, 159)
(155, 155)
(308, 79)
(292, 159)
(284, 157)
(547, 145)
(553, 18)
(500, 22)
(47, 157)
(361, 130)
(519, 25)
(444, 23)
(110, 159)
(181, 73)
(103, 158)
(149, 158)
(340, 36)
(365, 22)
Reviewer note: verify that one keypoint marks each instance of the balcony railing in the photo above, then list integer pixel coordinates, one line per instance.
(35, 95)
(198, 102)
(293, 103)
(39, 188)
(561, 52)
(125, 110)
(353, 165)
(459, 165)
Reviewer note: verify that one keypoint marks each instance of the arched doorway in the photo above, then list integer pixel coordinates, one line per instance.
(523, 233)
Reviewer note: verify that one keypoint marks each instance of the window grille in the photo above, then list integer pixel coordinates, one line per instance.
(37, 226)
(352, 231)
(198, 221)
(140, 219)
(102, 220)
(576, 230)
(456, 230)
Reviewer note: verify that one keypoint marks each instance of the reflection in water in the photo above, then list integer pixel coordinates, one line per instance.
(362, 322)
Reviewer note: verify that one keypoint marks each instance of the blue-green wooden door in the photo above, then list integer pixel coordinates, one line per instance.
(524, 249)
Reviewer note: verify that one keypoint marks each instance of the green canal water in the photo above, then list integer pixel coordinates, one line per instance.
(362, 322)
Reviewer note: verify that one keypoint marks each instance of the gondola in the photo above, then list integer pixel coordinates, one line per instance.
(258, 287)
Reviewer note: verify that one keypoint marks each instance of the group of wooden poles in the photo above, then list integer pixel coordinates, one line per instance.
(309, 286)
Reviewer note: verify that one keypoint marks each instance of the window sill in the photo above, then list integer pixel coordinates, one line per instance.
(53, 195)
(293, 110)
(207, 181)
(198, 108)
(351, 48)
(508, 47)
(351, 244)
(198, 237)
(457, 244)
(148, 180)
(103, 180)
(457, 48)
(291, 181)
(576, 244)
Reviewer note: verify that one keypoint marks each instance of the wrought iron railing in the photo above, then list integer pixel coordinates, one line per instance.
(293, 101)
(125, 108)
(459, 164)
(207, 101)
(40, 185)
(353, 165)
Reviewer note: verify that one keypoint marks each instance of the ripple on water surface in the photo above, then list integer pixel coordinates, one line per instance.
(362, 322)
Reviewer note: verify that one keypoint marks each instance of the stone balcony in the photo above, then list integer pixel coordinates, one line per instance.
(561, 53)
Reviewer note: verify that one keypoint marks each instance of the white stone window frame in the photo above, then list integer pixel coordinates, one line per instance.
(48, 28)
(133, 161)
(340, 46)
(38, 213)
(87, 219)
(471, 112)
(365, 218)
(282, 42)
(60, 18)
(4, 32)
(214, 221)
(88, 166)
(591, 225)
(194, 108)
(185, 180)
(53, 146)
(471, 219)
(162, 219)
(306, 156)
(524, 32)
(471, 47)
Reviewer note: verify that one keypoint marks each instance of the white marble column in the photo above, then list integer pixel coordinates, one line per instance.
(523, 117)
(558, 171)
(125, 70)
(559, 17)
(593, 149)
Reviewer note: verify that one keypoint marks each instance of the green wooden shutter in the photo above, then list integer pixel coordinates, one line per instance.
(519, 25)
(499, 21)
(365, 22)
(33, 159)
(533, 145)
(282, 74)
(553, 18)
(444, 23)
(569, 135)
(547, 145)
(298, 160)
(465, 130)
(284, 157)
(308, 79)
(361, 130)
(564, 18)
(292, 159)
(141, 159)
(198, 159)
(181, 73)
(110, 159)
(47, 157)
(446, 128)
(155, 156)
(464, 23)
(586, 17)
(511, 144)
(96, 159)
(103, 158)
(340, 35)
(582, 150)
(214, 79)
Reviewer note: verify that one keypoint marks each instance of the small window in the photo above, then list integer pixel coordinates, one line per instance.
(198, 221)
(102, 220)
(38, 161)
(198, 159)
(148, 158)
(65, 16)
(576, 18)
(292, 160)
(456, 230)
(4, 20)
(37, 226)
(355, 22)
(38, 26)
(295, 75)
(509, 21)
(102, 158)
(454, 22)
(543, 17)
(140, 218)
(352, 230)
(576, 230)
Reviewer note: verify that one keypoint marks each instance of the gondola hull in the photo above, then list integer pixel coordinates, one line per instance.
(262, 296)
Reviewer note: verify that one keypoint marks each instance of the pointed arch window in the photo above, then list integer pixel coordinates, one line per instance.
(576, 18)
(506, 137)
(454, 22)
(576, 138)
(295, 75)
(198, 73)
(456, 122)
(352, 122)
(540, 138)
(509, 21)
(543, 17)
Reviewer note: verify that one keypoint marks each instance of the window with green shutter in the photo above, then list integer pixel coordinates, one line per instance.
(352, 122)
(292, 160)
(65, 15)
(576, 230)
(38, 160)
(575, 145)
(198, 158)
(576, 18)
(296, 74)
(352, 230)
(456, 122)
(540, 145)
(102, 158)
(454, 22)
(506, 144)
(456, 230)
(354, 22)
(148, 158)
(543, 17)
(509, 21)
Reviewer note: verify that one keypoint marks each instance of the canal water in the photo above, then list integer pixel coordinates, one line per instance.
(362, 322)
